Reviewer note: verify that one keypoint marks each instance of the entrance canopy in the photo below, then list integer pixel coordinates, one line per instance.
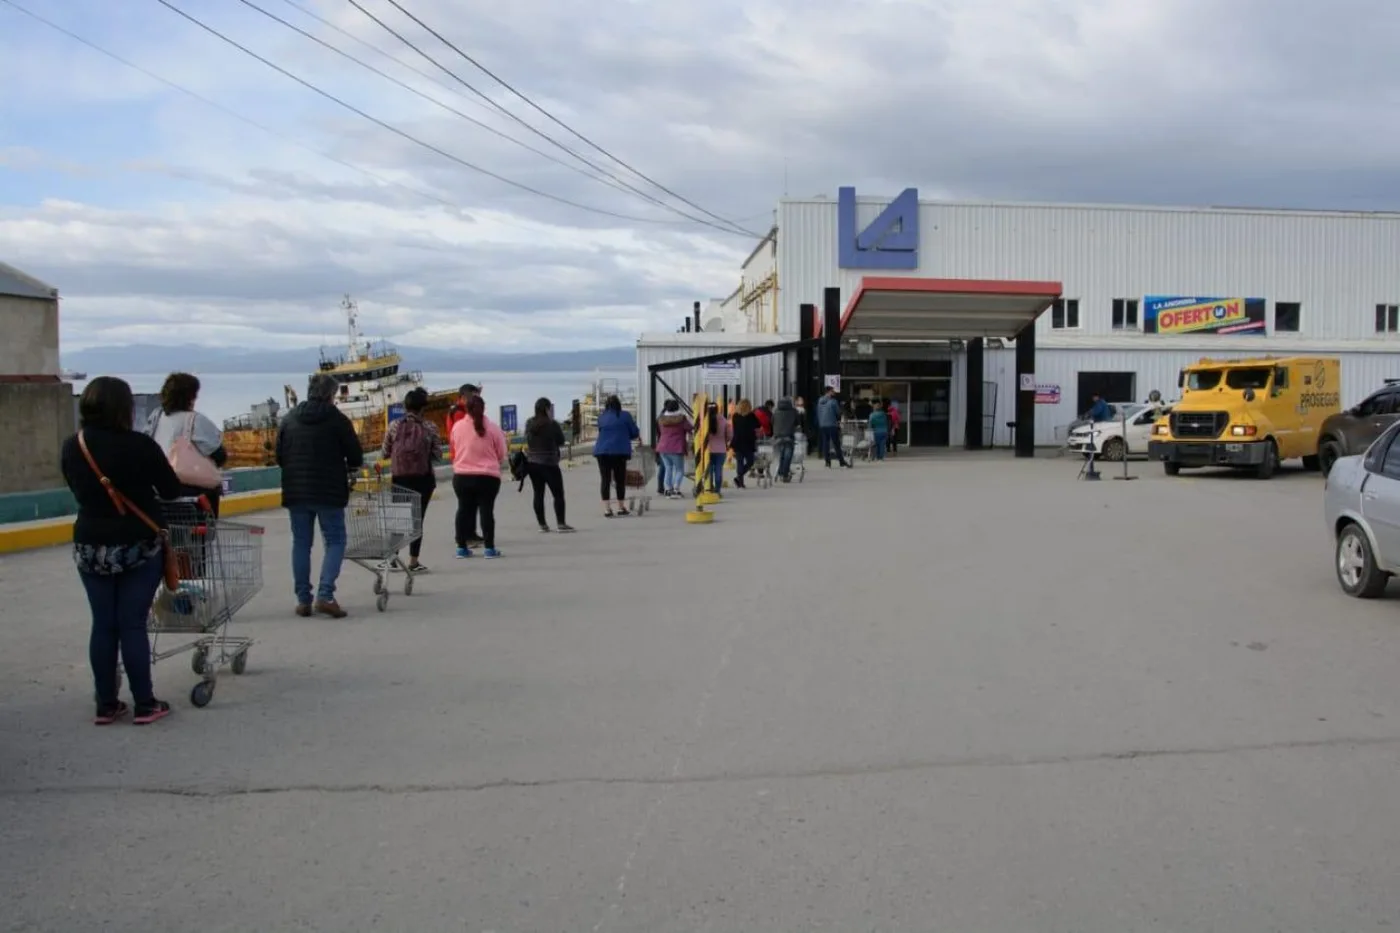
(944, 309)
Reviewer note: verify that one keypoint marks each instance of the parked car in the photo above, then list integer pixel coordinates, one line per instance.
(1352, 431)
(1362, 504)
(1108, 439)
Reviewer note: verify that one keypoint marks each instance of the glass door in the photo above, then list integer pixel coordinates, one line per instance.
(929, 410)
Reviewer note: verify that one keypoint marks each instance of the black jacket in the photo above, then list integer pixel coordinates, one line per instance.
(745, 438)
(544, 439)
(317, 449)
(137, 468)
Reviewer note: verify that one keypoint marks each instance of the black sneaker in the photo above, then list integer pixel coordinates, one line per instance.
(147, 713)
(544, 529)
(565, 529)
(108, 714)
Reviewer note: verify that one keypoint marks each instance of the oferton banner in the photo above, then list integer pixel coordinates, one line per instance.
(1162, 314)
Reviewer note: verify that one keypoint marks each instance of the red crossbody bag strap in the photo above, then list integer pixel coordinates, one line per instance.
(119, 499)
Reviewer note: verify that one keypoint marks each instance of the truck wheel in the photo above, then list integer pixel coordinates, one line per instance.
(1266, 469)
(1328, 454)
(1356, 565)
(1173, 469)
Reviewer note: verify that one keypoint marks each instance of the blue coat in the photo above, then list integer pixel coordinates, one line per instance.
(828, 412)
(616, 432)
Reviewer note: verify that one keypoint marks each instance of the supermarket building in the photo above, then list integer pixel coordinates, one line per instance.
(1119, 298)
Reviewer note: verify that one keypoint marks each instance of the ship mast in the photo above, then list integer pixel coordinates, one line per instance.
(352, 314)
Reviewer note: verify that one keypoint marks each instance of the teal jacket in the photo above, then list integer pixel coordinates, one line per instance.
(879, 422)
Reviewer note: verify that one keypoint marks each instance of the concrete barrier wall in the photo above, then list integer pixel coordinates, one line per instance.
(58, 503)
(35, 418)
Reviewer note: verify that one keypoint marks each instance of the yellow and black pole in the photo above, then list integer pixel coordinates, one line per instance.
(704, 495)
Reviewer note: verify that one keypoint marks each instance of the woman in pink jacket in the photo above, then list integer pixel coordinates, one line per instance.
(721, 433)
(478, 450)
(675, 430)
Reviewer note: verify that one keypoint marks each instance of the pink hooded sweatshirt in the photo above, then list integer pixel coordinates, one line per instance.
(719, 441)
(474, 454)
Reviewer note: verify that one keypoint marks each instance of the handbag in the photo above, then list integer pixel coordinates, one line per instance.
(123, 505)
(191, 466)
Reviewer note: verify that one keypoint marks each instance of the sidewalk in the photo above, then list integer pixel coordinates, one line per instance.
(952, 693)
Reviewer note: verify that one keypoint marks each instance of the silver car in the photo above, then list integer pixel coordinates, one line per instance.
(1362, 504)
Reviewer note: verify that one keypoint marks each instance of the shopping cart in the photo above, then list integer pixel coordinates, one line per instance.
(639, 480)
(765, 461)
(855, 440)
(798, 467)
(220, 572)
(382, 519)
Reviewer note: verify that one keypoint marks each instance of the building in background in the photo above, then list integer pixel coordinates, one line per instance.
(36, 406)
(1144, 291)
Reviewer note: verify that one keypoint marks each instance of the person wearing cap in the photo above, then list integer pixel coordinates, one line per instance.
(459, 411)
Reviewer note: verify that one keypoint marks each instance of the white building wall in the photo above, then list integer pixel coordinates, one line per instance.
(761, 376)
(1338, 265)
(1362, 374)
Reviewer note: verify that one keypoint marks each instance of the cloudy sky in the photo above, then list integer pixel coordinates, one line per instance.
(163, 219)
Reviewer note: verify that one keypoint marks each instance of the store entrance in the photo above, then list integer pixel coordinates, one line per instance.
(898, 392)
(930, 406)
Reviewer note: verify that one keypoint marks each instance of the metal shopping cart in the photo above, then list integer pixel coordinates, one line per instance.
(855, 440)
(220, 572)
(798, 467)
(765, 461)
(382, 519)
(639, 480)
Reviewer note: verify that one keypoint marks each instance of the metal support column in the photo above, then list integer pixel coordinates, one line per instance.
(831, 334)
(1025, 391)
(973, 427)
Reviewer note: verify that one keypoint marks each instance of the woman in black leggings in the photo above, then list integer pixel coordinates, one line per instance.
(616, 432)
(412, 446)
(543, 441)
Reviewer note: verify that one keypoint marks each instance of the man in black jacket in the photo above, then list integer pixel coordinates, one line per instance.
(785, 427)
(317, 450)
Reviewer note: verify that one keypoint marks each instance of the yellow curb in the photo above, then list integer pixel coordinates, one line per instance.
(32, 535)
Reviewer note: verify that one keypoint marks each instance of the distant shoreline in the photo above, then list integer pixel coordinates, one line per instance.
(151, 359)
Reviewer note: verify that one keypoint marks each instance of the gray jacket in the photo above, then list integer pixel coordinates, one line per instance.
(784, 419)
(828, 412)
(203, 433)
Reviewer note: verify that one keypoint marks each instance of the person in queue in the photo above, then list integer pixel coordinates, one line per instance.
(764, 414)
(479, 448)
(674, 429)
(176, 418)
(829, 424)
(719, 433)
(785, 424)
(465, 394)
(617, 429)
(892, 409)
(116, 475)
(744, 440)
(412, 447)
(879, 422)
(544, 441)
(318, 451)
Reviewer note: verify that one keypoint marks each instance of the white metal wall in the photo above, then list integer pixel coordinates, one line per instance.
(761, 376)
(1362, 374)
(1338, 265)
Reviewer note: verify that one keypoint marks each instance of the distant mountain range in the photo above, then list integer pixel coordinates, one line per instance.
(147, 358)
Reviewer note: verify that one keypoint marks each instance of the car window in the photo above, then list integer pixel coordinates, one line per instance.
(1390, 465)
(1380, 449)
(1382, 403)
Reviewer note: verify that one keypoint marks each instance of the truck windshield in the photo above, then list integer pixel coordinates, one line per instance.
(1248, 378)
(1202, 379)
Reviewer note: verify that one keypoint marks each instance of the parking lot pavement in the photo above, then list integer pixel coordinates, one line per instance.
(963, 692)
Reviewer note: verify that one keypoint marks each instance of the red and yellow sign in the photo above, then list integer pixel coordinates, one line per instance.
(1211, 315)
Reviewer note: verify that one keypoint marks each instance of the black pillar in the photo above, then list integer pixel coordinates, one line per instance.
(831, 334)
(806, 330)
(973, 431)
(651, 389)
(1025, 393)
(696, 310)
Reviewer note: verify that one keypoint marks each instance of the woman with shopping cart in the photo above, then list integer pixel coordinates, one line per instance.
(119, 541)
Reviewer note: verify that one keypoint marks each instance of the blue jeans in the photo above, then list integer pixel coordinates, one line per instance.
(673, 470)
(716, 472)
(831, 444)
(304, 520)
(120, 604)
(882, 441)
(785, 447)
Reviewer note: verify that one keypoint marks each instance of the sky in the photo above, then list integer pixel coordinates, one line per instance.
(165, 220)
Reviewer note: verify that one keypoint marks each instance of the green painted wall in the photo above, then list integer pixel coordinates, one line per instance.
(57, 503)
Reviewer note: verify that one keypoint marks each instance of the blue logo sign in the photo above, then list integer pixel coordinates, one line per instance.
(890, 242)
(508, 424)
(395, 412)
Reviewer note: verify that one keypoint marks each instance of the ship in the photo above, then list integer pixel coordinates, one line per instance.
(72, 375)
(369, 380)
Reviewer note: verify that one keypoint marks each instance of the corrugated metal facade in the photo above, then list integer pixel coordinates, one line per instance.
(1362, 374)
(761, 376)
(1339, 266)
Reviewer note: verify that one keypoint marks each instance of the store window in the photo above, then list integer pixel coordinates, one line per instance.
(1125, 314)
(860, 369)
(1064, 314)
(1288, 317)
(1387, 319)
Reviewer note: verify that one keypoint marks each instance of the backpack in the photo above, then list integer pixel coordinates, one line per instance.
(411, 455)
(519, 467)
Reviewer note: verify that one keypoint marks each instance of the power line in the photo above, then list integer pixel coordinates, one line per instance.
(232, 113)
(728, 226)
(443, 39)
(393, 129)
(612, 183)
